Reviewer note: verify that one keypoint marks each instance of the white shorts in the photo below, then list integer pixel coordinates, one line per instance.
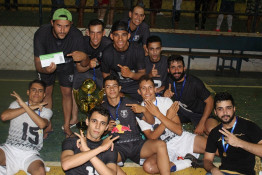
(179, 146)
(17, 159)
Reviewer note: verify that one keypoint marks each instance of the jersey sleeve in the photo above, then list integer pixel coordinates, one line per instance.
(144, 125)
(105, 64)
(211, 146)
(253, 128)
(69, 144)
(47, 114)
(202, 92)
(146, 34)
(39, 48)
(140, 57)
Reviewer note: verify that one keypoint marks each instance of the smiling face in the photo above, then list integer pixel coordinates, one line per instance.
(154, 51)
(225, 111)
(120, 39)
(96, 34)
(61, 28)
(147, 90)
(97, 125)
(112, 89)
(177, 70)
(36, 93)
(137, 16)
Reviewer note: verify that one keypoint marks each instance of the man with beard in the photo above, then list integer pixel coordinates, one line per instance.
(60, 36)
(238, 140)
(195, 100)
(156, 64)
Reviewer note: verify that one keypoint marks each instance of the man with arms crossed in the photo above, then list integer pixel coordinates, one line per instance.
(90, 154)
(238, 140)
(124, 59)
(195, 101)
(25, 139)
(168, 128)
(123, 124)
(60, 36)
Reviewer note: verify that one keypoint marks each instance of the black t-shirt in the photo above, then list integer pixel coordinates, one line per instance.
(45, 42)
(193, 96)
(96, 53)
(87, 168)
(237, 159)
(126, 117)
(141, 33)
(133, 58)
(161, 67)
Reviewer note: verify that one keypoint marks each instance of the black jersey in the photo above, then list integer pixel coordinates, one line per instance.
(161, 67)
(95, 53)
(141, 33)
(127, 120)
(133, 58)
(45, 42)
(193, 96)
(87, 168)
(237, 159)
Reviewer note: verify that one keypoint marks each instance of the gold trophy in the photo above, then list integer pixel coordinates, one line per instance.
(87, 97)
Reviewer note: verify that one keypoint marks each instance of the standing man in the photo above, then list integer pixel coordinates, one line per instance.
(168, 128)
(195, 100)
(25, 139)
(90, 154)
(60, 36)
(94, 44)
(123, 124)
(156, 64)
(124, 59)
(138, 29)
(238, 140)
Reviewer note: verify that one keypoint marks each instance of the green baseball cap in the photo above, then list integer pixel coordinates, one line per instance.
(62, 14)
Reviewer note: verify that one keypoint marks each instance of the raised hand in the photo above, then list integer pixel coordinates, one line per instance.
(154, 71)
(18, 98)
(136, 108)
(78, 56)
(168, 93)
(108, 142)
(125, 71)
(51, 68)
(111, 125)
(93, 63)
(150, 106)
(172, 111)
(230, 138)
(81, 142)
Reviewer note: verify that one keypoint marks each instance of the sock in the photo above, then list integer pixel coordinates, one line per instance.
(229, 21)
(173, 168)
(219, 20)
(182, 164)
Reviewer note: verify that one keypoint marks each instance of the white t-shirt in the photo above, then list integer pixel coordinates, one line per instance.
(163, 103)
(24, 133)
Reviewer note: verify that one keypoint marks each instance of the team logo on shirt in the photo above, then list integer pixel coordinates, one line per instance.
(124, 113)
(136, 37)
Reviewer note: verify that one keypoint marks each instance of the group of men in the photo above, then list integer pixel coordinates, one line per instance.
(144, 91)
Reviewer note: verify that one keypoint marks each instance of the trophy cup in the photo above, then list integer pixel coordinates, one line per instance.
(87, 97)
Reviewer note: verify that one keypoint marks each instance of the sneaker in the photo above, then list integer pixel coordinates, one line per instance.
(217, 30)
(229, 30)
(196, 163)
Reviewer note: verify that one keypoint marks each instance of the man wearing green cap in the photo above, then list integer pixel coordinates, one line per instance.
(60, 36)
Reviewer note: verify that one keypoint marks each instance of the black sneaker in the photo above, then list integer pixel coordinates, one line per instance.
(196, 163)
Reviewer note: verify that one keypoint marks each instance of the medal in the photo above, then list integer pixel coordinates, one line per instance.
(224, 154)
(117, 122)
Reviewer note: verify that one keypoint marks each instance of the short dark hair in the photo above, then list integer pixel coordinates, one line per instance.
(101, 110)
(223, 96)
(176, 58)
(95, 22)
(153, 39)
(111, 77)
(145, 77)
(42, 83)
(119, 25)
(132, 9)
